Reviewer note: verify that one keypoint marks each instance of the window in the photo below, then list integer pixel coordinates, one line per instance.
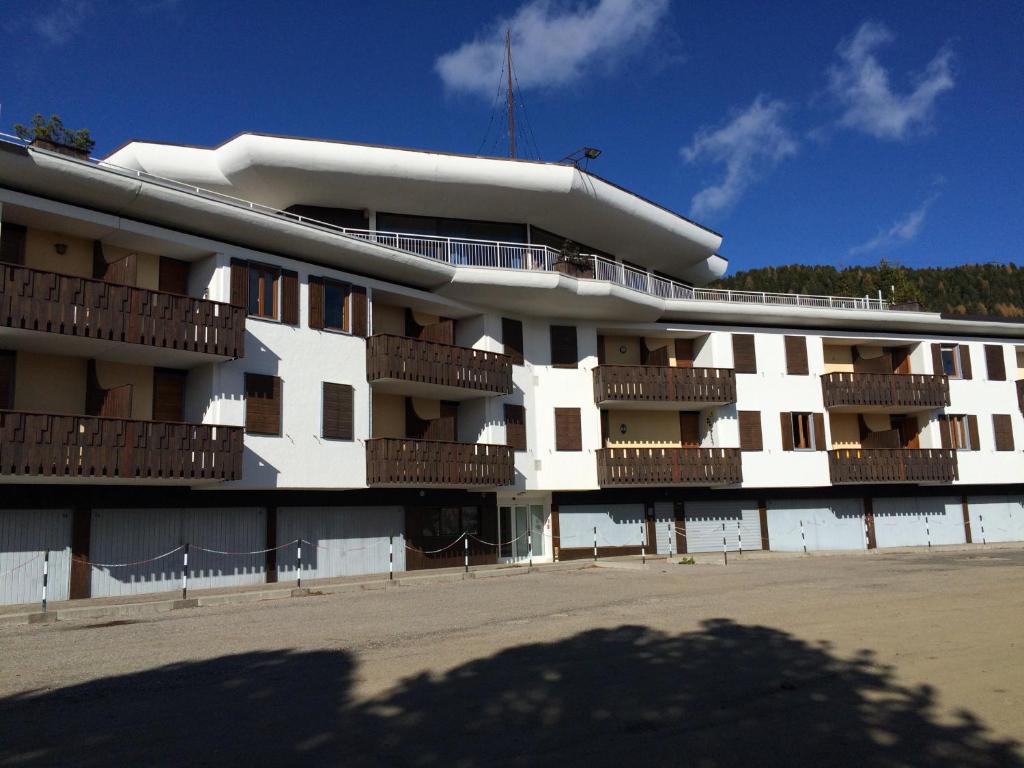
(796, 355)
(512, 338)
(750, 431)
(449, 522)
(563, 346)
(568, 431)
(959, 430)
(336, 306)
(1002, 428)
(803, 433)
(515, 426)
(262, 404)
(950, 355)
(263, 287)
(337, 412)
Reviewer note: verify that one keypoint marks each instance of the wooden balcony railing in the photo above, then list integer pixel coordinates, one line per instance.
(660, 383)
(428, 362)
(892, 465)
(77, 306)
(892, 390)
(668, 466)
(49, 445)
(401, 461)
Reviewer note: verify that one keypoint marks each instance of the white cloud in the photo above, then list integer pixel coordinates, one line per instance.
(752, 143)
(861, 85)
(62, 20)
(903, 229)
(552, 44)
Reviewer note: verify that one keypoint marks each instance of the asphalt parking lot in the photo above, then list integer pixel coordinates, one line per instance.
(887, 659)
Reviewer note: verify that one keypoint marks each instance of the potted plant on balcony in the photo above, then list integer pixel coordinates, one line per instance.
(52, 135)
(571, 262)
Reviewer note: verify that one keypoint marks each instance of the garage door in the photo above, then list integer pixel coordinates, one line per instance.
(707, 522)
(25, 534)
(344, 541)
(918, 521)
(823, 524)
(996, 518)
(618, 525)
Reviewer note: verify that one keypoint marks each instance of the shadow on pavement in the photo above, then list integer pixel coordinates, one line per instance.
(726, 695)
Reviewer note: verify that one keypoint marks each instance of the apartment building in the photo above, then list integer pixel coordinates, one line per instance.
(374, 350)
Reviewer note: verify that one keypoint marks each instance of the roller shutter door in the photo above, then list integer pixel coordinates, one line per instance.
(913, 521)
(618, 525)
(343, 541)
(25, 534)
(996, 518)
(708, 521)
(826, 524)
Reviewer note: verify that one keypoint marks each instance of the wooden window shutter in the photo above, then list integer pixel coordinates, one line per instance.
(750, 431)
(1002, 425)
(786, 422)
(965, 361)
(945, 432)
(316, 302)
(174, 275)
(240, 283)
(995, 364)
(169, 394)
(338, 411)
(937, 368)
(568, 431)
(289, 297)
(262, 404)
(796, 355)
(744, 356)
(819, 432)
(512, 339)
(515, 426)
(600, 350)
(975, 438)
(563, 346)
(360, 322)
(8, 360)
(12, 243)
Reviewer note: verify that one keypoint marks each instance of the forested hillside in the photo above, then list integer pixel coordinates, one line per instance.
(972, 289)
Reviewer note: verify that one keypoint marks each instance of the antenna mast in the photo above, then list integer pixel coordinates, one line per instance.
(511, 96)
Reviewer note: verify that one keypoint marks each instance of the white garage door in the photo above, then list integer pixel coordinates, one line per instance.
(996, 518)
(707, 522)
(823, 524)
(343, 541)
(25, 534)
(917, 521)
(618, 525)
(132, 535)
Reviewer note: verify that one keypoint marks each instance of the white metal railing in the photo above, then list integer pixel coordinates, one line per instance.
(467, 252)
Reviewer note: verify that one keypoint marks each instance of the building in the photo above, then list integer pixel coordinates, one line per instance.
(364, 347)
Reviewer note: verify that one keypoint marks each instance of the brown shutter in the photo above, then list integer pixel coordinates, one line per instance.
(515, 426)
(937, 359)
(744, 356)
(563, 346)
(262, 404)
(8, 360)
(169, 394)
(995, 364)
(796, 355)
(12, 243)
(689, 429)
(240, 283)
(568, 431)
(512, 338)
(945, 432)
(316, 302)
(338, 412)
(972, 422)
(289, 297)
(114, 403)
(684, 353)
(174, 276)
(965, 361)
(600, 349)
(819, 432)
(1002, 425)
(786, 422)
(360, 309)
(750, 431)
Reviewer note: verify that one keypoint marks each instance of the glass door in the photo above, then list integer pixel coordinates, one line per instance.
(517, 525)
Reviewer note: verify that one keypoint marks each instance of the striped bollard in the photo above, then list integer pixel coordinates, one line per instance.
(981, 522)
(725, 550)
(595, 543)
(298, 562)
(669, 527)
(184, 574)
(643, 545)
(529, 544)
(928, 531)
(465, 550)
(803, 538)
(46, 575)
(739, 534)
(391, 558)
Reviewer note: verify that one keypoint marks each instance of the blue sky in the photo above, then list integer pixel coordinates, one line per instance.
(828, 132)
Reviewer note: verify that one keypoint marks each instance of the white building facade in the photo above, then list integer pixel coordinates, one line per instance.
(402, 359)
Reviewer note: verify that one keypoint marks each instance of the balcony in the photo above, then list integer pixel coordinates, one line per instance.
(668, 466)
(80, 447)
(402, 365)
(892, 465)
(417, 463)
(64, 305)
(654, 386)
(883, 392)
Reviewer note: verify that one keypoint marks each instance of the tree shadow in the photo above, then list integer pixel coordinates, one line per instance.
(728, 694)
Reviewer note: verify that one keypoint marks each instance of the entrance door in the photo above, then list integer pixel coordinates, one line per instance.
(518, 527)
